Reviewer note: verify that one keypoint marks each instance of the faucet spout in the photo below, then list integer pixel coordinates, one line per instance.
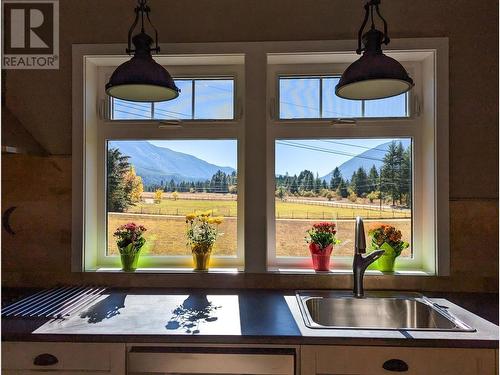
(373, 256)
(360, 262)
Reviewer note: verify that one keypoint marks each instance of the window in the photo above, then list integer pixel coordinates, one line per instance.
(143, 168)
(166, 180)
(378, 166)
(200, 99)
(313, 97)
(337, 180)
(262, 152)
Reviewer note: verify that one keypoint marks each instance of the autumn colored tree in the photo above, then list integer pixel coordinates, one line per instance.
(158, 195)
(133, 185)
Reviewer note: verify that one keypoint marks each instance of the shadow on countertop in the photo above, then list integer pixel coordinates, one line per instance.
(105, 309)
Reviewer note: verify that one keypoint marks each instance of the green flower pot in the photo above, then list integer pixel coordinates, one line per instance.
(129, 261)
(386, 262)
(129, 258)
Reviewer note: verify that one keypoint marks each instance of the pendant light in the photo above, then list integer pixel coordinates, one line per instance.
(374, 75)
(142, 79)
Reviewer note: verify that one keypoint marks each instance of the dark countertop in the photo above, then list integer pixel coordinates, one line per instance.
(233, 317)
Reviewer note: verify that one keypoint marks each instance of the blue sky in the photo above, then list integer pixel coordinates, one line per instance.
(320, 155)
(219, 152)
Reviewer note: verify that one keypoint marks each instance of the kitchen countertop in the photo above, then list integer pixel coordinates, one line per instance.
(233, 317)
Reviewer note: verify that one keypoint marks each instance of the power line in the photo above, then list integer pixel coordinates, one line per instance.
(358, 146)
(133, 114)
(328, 151)
(315, 109)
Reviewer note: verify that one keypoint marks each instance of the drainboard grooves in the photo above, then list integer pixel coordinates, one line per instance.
(53, 303)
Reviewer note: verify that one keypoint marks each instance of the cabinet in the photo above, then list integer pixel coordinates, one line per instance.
(62, 358)
(359, 360)
(210, 360)
(25, 358)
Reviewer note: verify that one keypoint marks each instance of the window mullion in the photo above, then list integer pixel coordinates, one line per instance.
(321, 97)
(193, 97)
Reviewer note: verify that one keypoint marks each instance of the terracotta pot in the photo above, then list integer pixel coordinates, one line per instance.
(320, 256)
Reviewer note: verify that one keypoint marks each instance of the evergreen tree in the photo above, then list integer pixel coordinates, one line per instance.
(336, 178)
(317, 184)
(373, 178)
(406, 176)
(353, 182)
(117, 167)
(294, 186)
(306, 180)
(391, 175)
(361, 185)
(342, 189)
(171, 185)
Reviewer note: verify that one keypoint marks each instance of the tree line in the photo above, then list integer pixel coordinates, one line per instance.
(392, 181)
(220, 182)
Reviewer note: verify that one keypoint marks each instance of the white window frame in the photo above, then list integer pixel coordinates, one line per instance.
(416, 127)
(299, 71)
(101, 129)
(256, 137)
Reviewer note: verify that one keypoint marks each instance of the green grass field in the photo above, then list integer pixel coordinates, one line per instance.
(166, 224)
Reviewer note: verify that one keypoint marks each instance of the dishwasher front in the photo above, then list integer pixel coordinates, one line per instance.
(142, 360)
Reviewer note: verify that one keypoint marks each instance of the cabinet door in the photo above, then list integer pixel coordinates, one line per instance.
(355, 360)
(159, 360)
(61, 358)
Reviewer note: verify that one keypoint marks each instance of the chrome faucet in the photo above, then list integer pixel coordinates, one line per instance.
(360, 262)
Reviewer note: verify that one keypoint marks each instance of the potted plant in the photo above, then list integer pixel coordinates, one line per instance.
(388, 238)
(321, 238)
(202, 232)
(130, 241)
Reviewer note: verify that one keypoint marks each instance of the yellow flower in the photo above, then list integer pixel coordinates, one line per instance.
(218, 220)
(191, 216)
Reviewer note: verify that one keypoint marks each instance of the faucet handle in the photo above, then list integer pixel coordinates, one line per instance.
(360, 239)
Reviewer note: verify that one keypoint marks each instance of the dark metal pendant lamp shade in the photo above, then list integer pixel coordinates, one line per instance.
(374, 75)
(141, 79)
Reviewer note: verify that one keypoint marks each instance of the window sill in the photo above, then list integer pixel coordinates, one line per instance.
(303, 271)
(214, 270)
(281, 271)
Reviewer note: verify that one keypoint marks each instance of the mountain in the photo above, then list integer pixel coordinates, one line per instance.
(366, 159)
(156, 164)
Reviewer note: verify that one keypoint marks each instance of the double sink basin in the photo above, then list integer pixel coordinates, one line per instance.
(377, 310)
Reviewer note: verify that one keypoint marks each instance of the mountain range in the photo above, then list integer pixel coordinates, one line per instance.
(366, 160)
(158, 165)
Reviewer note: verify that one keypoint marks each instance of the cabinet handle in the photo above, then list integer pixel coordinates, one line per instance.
(45, 359)
(395, 365)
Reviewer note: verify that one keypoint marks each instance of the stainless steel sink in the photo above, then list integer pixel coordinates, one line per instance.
(377, 310)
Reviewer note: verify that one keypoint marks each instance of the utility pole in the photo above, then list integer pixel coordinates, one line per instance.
(380, 189)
